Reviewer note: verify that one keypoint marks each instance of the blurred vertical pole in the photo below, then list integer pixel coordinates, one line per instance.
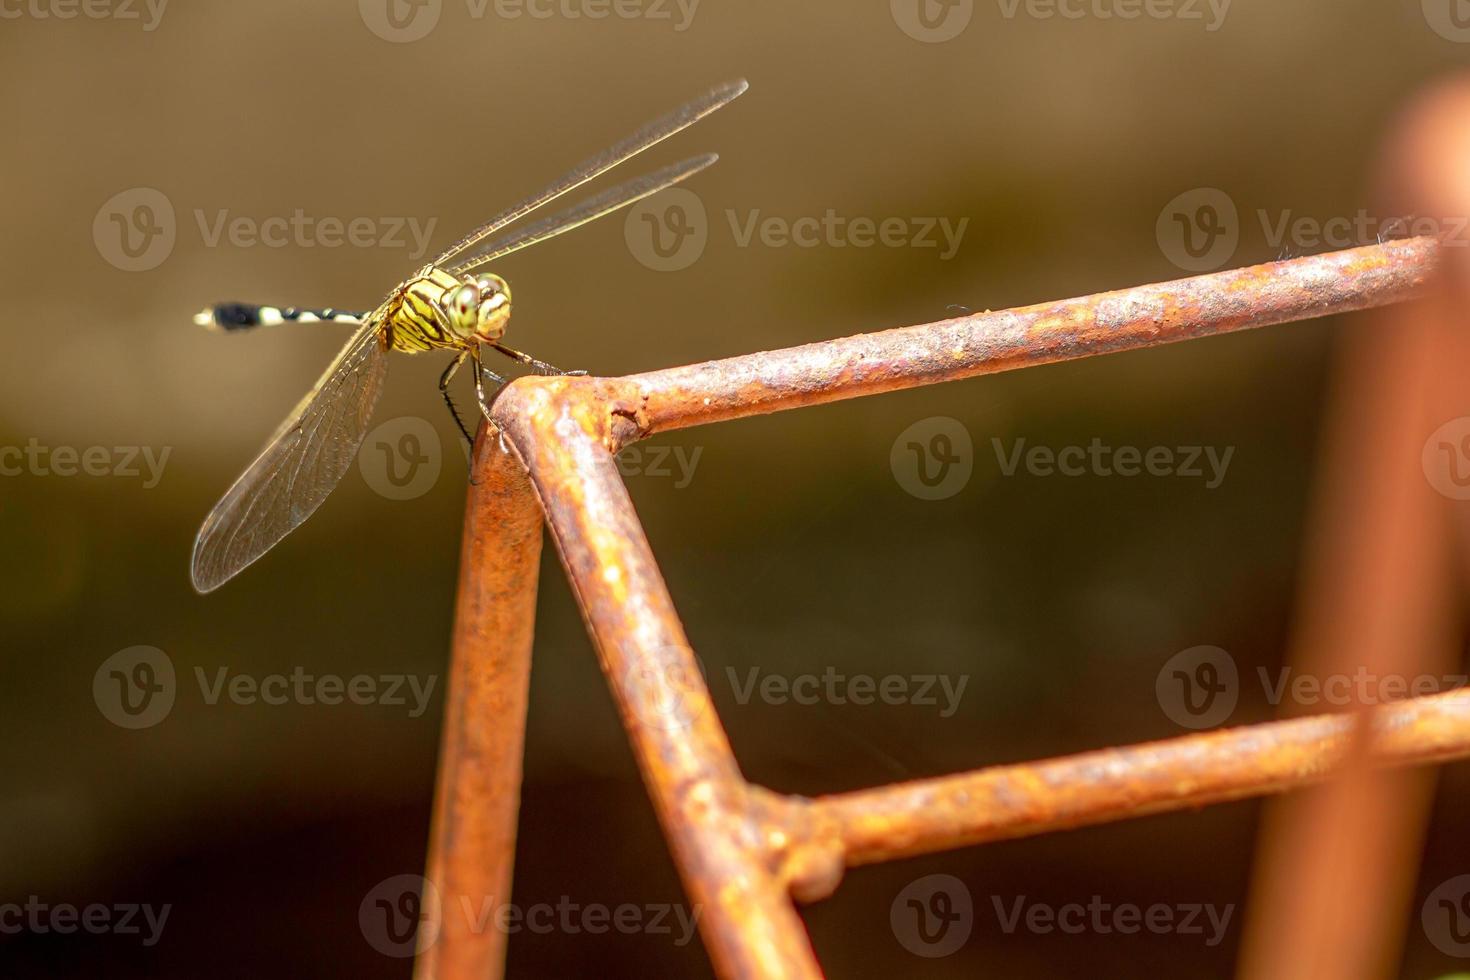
(477, 799)
(1336, 866)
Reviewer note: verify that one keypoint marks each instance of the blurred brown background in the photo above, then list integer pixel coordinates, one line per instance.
(792, 547)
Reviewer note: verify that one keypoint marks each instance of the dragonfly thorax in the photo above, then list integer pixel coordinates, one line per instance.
(438, 311)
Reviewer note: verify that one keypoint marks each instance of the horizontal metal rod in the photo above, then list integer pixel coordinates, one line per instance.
(986, 343)
(1096, 787)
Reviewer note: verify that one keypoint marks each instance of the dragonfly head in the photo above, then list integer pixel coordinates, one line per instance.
(479, 309)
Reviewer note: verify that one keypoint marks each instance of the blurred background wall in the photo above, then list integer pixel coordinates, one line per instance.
(146, 150)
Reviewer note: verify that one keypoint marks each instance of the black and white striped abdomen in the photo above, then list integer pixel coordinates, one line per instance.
(243, 316)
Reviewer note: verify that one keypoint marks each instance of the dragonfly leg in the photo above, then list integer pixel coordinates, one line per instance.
(481, 373)
(540, 367)
(444, 380)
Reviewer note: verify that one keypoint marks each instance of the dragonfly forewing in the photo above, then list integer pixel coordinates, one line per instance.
(610, 200)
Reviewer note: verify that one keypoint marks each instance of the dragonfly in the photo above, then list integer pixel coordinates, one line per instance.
(450, 305)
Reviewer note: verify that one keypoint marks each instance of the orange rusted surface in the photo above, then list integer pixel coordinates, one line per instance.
(477, 799)
(744, 853)
(987, 343)
(749, 924)
(1097, 787)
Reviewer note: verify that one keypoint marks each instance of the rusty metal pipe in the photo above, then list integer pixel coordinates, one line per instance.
(750, 927)
(987, 343)
(1096, 787)
(477, 799)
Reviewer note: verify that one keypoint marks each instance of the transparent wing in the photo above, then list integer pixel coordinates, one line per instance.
(580, 214)
(300, 466)
(654, 132)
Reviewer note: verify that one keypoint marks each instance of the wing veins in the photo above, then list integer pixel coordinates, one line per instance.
(584, 212)
(647, 135)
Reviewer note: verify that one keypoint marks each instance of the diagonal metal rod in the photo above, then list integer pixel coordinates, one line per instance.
(744, 852)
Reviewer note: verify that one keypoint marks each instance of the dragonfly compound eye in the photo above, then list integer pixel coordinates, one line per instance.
(461, 302)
